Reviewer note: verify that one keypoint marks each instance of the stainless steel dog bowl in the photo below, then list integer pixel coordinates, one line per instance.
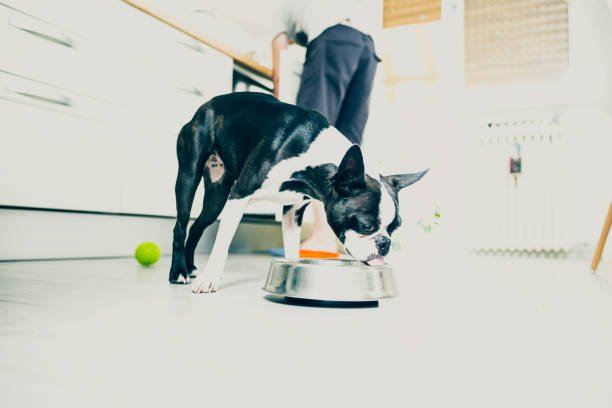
(330, 280)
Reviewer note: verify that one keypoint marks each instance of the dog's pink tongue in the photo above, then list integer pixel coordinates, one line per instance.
(378, 261)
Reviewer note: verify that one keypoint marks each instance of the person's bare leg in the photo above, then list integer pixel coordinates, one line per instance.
(322, 238)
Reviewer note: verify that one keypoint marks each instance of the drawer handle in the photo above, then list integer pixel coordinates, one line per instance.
(194, 46)
(192, 90)
(41, 29)
(40, 93)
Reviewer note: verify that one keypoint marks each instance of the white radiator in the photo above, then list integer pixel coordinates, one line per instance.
(526, 214)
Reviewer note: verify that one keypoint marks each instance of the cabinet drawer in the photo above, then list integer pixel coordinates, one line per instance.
(51, 159)
(37, 49)
(26, 90)
(148, 187)
(156, 109)
(149, 168)
(190, 64)
(184, 61)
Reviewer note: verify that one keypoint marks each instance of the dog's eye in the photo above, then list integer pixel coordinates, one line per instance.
(369, 228)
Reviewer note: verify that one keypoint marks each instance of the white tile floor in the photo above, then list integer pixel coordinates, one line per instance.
(473, 332)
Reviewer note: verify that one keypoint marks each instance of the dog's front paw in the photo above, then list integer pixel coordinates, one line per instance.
(204, 284)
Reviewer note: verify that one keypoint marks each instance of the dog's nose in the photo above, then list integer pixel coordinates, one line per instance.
(383, 244)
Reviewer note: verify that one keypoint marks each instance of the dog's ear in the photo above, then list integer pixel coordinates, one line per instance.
(350, 176)
(399, 181)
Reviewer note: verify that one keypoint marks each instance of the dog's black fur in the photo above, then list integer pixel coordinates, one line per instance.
(251, 133)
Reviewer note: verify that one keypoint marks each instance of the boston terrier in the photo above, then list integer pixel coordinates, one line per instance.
(249, 146)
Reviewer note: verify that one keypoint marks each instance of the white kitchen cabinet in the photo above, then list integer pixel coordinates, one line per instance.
(37, 49)
(54, 159)
(92, 98)
(148, 173)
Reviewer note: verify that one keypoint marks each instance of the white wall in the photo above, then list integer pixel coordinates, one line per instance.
(428, 123)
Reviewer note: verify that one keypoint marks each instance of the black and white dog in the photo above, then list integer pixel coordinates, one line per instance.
(249, 146)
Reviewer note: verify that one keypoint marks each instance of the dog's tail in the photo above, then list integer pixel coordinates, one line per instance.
(195, 142)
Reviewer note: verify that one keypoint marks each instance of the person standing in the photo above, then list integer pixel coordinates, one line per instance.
(337, 77)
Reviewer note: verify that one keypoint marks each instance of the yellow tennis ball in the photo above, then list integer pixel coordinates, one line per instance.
(147, 253)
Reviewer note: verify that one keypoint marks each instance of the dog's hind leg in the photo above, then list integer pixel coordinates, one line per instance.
(215, 196)
(186, 185)
(191, 155)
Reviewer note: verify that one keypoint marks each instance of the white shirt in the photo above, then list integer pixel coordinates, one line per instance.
(314, 16)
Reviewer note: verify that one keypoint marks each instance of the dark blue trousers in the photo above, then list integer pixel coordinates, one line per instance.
(338, 77)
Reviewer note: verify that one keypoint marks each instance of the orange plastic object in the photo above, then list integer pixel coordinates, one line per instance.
(308, 253)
